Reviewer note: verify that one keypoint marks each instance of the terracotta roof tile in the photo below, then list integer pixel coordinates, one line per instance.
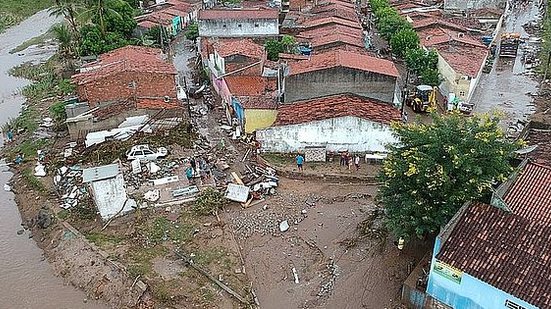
(530, 194)
(505, 250)
(266, 101)
(245, 47)
(464, 60)
(129, 58)
(437, 35)
(341, 58)
(332, 29)
(242, 85)
(335, 106)
(312, 23)
(432, 22)
(336, 10)
(230, 14)
(337, 38)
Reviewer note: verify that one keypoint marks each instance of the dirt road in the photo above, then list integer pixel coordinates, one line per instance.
(335, 269)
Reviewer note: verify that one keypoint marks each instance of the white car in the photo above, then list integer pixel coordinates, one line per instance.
(143, 152)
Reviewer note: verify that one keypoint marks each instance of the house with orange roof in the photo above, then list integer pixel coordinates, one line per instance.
(335, 122)
(497, 255)
(461, 58)
(340, 71)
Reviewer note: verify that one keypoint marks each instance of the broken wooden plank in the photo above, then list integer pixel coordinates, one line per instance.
(237, 178)
(224, 287)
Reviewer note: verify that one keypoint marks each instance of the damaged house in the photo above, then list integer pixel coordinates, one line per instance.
(128, 81)
(336, 122)
(247, 82)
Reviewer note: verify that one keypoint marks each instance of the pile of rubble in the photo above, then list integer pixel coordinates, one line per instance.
(68, 185)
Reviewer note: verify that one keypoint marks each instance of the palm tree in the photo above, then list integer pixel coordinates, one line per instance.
(98, 10)
(64, 37)
(69, 10)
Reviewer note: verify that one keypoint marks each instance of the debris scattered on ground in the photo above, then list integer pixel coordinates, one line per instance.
(283, 226)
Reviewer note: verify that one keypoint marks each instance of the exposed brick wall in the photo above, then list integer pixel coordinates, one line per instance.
(117, 87)
(236, 62)
(339, 80)
(109, 109)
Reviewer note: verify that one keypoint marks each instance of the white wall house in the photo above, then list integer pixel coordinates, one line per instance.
(337, 122)
(238, 23)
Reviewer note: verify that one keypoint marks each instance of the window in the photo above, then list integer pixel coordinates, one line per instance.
(223, 26)
(511, 305)
(256, 25)
(461, 93)
(239, 25)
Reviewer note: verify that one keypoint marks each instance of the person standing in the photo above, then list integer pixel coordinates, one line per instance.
(193, 164)
(300, 162)
(357, 162)
(349, 161)
(189, 174)
(343, 158)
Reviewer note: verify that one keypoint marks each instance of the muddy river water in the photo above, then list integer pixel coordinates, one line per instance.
(26, 279)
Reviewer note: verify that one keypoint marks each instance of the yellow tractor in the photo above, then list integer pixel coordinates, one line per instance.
(422, 98)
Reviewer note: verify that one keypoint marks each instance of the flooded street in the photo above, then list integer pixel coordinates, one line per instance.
(26, 279)
(507, 89)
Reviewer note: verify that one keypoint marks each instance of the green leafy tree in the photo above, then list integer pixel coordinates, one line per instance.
(288, 44)
(68, 9)
(424, 64)
(63, 35)
(378, 4)
(435, 168)
(99, 10)
(390, 26)
(403, 41)
(192, 32)
(159, 36)
(273, 49)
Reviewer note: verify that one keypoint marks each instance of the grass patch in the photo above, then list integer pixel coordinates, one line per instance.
(217, 254)
(14, 11)
(277, 159)
(139, 260)
(32, 181)
(63, 214)
(103, 240)
(161, 229)
(27, 148)
(39, 40)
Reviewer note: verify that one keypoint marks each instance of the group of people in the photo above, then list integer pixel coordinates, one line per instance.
(347, 160)
(200, 165)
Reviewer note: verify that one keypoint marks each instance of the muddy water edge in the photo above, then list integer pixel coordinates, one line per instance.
(26, 278)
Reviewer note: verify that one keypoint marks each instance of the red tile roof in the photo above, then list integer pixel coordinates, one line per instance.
(266, 101)
(530, 194)
(336, 10)
(229, 14)
(433, 36)
(505, 250)
(464, 60)
(137, 59)
(245, 47)
(331, 29)
(335, 106)
(147, 24)
(436, 22)
(312, 23)
(242, 85)
(337, 38)
(341, 58)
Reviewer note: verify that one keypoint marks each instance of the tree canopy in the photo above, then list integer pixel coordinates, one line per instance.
(435, 168)
(274, 47)
(424, 64)
(403, 41)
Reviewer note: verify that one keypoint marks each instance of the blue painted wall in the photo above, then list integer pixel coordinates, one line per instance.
(471, 293)
(176, 27)
(239, 111)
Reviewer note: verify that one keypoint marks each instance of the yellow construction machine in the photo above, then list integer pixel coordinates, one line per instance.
(422, 98)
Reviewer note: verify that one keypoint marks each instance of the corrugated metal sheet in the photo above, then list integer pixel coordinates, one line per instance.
(100, 173)
(110, 197)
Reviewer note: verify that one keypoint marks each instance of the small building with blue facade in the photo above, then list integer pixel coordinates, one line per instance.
(499, 255)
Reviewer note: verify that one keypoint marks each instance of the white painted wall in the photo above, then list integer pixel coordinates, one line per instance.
(353, 133)
(238, 28)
